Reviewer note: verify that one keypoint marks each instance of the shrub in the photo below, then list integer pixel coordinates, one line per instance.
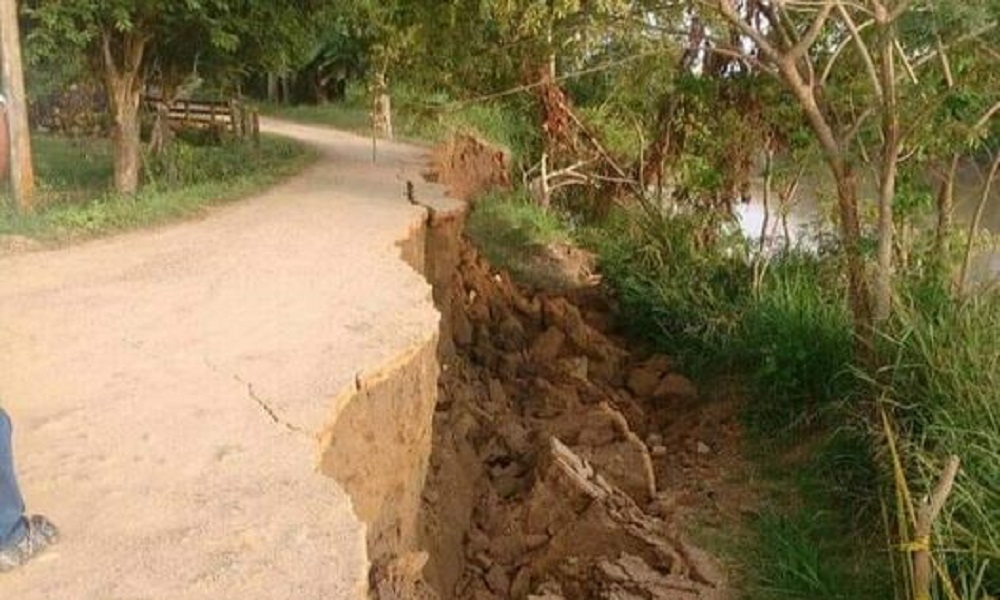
(185, 163)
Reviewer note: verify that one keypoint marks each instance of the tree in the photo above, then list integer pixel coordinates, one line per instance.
(22, 174)
(123, 39)
(816, 49)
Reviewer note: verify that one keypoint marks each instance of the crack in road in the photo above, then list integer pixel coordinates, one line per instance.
(261, 402)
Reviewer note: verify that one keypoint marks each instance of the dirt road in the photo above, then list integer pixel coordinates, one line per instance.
(142, 373)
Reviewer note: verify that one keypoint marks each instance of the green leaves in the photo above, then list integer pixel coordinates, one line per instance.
(216, 37)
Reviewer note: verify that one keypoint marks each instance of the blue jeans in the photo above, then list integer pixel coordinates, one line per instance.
(12, 527)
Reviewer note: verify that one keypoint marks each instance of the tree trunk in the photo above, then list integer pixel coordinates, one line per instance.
(859, 292)
(161, 135)
(22, 173)
(886, 227)
(272, 87)
(887, 174)
(945, 211)
(123, 58)
(381, 107)
(766, 199)
(847, 203)
(127, 146)
(285, 83)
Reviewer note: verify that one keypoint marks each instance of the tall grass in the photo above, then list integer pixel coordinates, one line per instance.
(796, 339)
(790, 337)
(802, 554)
(683, 297)
(945, 383)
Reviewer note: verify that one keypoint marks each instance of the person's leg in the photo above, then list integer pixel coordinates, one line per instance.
(12, 523)
(21, 538)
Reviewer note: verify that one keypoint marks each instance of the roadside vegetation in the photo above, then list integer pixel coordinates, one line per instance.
(75, 199)
(829, 481)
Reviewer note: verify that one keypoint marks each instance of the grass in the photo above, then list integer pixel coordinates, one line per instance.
(682, 297)
(819, 534)
(796, 345)
(804, 555)
(789, 339)
(945, 386)
(74, 199)
(512, 231)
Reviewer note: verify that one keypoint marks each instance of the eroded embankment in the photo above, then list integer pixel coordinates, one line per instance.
(556, 454)
(525, 450)
(379, 446)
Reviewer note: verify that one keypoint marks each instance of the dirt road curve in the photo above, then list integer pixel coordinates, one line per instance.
(135, 370)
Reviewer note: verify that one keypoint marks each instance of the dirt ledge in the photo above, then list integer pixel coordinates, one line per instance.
(377, 443)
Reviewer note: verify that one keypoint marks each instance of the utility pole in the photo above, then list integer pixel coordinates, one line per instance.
(22, 173)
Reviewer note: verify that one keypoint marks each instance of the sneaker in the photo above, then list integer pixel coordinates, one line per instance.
(41, 534)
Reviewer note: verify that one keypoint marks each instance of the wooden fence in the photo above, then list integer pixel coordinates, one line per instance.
(232, 116)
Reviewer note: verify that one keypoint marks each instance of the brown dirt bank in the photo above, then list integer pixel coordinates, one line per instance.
(565, 462)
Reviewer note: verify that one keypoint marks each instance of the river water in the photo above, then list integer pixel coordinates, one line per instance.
(807, 215)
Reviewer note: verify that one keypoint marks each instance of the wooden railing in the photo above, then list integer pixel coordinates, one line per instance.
(231, 115)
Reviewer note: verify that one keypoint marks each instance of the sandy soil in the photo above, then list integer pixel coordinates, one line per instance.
(137, 370)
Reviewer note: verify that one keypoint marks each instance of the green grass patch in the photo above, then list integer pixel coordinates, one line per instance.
(797, 345)
(805, 544)
(71, 164)
(682, 297)
(75, 201)
(512, 232)
(809, 555)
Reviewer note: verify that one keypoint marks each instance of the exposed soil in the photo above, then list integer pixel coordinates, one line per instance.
(469, 166)
(566, 462)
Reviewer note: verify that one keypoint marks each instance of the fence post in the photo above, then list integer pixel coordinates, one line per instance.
(233, 117)
(256, 127)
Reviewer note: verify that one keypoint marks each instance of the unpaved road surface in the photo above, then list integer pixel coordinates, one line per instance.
(137, 370)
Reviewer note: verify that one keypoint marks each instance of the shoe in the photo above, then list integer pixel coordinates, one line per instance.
(40, 534)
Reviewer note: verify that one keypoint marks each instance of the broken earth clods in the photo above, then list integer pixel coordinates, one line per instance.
(556, 414)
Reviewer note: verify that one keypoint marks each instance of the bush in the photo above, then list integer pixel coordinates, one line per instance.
(185, 163)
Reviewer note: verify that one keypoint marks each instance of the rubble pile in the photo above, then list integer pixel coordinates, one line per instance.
(552, 446)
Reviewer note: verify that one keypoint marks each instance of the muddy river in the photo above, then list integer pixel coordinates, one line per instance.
(809, 213)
